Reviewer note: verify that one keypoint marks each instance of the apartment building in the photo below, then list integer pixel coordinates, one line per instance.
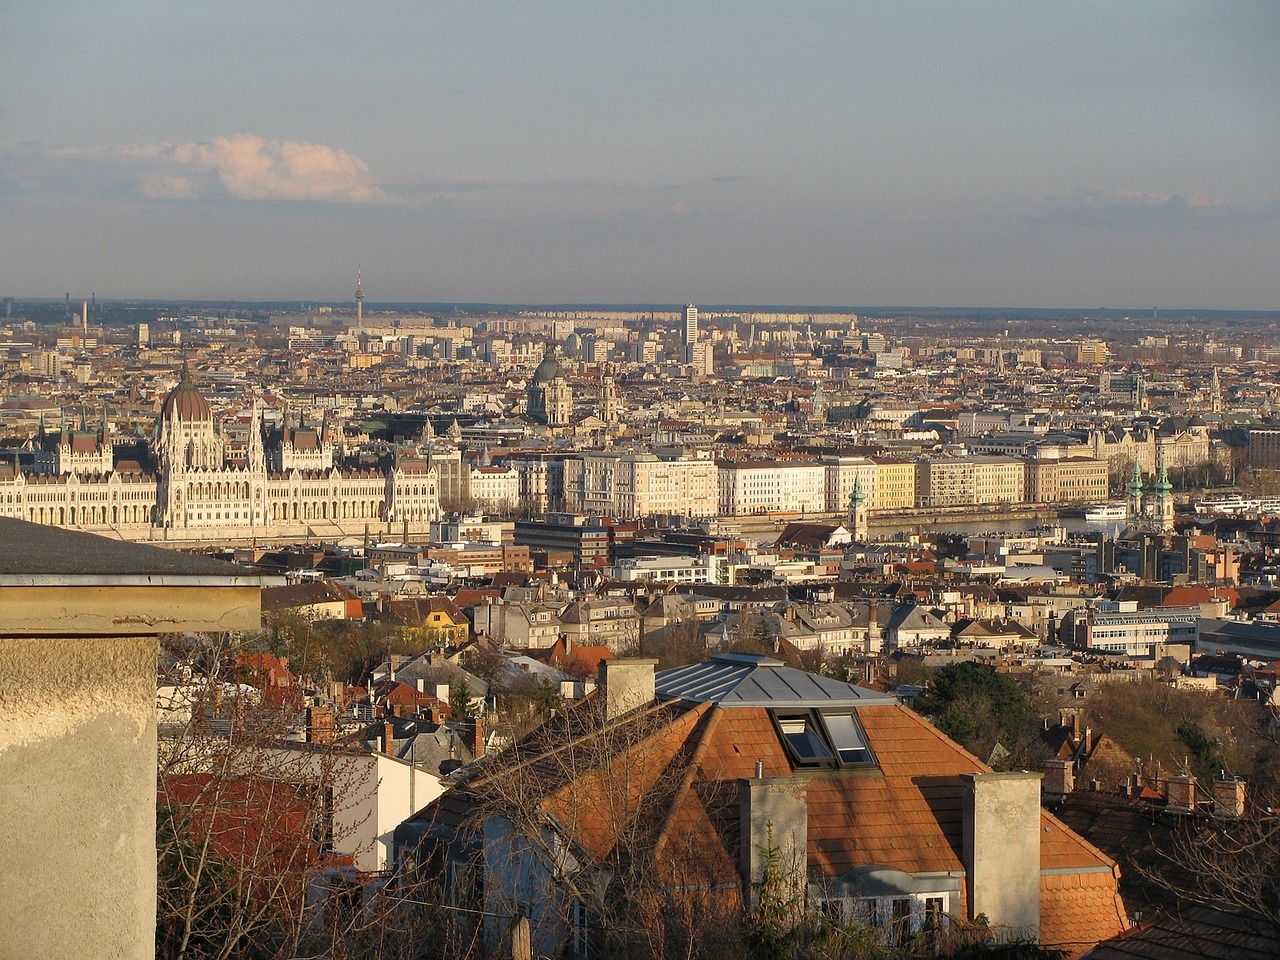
(1071, 480)
(955, 481)
(632, 485)
(771, 486)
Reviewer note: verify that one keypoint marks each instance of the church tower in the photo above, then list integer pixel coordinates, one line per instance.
(1162, 492)
(608, 397)
(1134, 489)
(858, 511)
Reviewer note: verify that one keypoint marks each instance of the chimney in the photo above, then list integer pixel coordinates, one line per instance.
(319, 725)
(477, 739)
(626, 684)
(774, 812)
(1059, 778)
(1228, 797)
(389, 740)
(1088, 742)
(1180, 793)
(1001, 849)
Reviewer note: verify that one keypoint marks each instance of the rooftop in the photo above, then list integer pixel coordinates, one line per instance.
(32, 555)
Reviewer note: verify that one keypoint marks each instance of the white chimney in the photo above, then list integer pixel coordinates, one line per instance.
(626, 684)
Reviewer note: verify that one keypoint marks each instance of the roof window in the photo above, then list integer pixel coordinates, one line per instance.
(816, 738)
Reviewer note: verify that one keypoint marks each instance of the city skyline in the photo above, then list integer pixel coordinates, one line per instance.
(995, 155)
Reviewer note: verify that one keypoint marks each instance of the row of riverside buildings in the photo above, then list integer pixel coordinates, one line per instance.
(638, 484)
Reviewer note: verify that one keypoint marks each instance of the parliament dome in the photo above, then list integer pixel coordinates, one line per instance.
(186, 402)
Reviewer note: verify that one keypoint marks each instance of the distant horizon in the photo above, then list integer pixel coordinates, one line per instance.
(303, 303)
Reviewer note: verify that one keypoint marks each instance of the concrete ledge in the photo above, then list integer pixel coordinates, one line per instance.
(79, 609)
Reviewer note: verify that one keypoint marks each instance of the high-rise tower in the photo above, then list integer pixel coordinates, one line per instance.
(690, 323)
(359, 300)
(690, 331)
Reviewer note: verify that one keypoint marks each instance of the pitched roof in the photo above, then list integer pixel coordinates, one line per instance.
(1195, 932)
(673, 770)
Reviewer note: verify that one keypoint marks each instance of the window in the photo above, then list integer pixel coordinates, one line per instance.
(897, 918)
(804, 739)
(847, 738)
(819, 739)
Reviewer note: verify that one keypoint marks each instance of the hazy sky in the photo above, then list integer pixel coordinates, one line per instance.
(1080, 154)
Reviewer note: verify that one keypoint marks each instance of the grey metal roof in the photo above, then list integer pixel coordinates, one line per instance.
(32, 553)
(748, 680)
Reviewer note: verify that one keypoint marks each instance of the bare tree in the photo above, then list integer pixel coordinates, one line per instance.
(1227, 863)
(573, 823)
(244, 827)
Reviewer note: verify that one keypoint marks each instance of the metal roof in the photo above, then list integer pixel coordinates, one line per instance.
(748, 680)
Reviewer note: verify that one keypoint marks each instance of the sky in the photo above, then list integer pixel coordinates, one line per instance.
(1083, 154)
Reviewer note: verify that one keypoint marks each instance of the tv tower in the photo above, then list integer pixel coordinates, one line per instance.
(359, 299)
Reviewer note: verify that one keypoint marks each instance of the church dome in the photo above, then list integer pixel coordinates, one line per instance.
(549, 369)
(185, 401)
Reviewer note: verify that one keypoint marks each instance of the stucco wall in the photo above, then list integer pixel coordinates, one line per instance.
(1002, 849)
(77, 760)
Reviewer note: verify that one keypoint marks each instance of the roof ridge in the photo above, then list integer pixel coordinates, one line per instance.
(708, 725)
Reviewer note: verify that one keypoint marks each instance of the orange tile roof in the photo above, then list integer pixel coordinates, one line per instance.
(686, 763)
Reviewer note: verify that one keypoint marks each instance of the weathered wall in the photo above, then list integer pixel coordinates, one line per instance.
(774, 812)
(77, 760)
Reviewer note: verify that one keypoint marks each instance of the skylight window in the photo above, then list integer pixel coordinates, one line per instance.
(847, 738)
(818, 739)
(804, 739)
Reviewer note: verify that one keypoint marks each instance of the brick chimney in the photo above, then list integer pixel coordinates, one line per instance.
(626, 684)
(1228, 797)
(1180, 793)
(389, 739)
(1059, 778)
(477, 738)
(319, 725)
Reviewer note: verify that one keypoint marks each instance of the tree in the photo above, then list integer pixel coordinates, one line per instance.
(460, 701)
(773, 924)
(978, 707)
(1231, 864)
(244, 828)
(584, 817)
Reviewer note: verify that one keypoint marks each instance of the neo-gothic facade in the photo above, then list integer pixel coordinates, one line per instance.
(194, 489)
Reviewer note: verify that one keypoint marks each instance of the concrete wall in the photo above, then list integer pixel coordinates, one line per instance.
(80, 618)
(77, 797)
(1002, 849)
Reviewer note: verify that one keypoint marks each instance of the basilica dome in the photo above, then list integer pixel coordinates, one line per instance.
(549, 369)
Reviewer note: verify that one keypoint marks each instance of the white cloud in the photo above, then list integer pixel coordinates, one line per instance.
(243, 166)
(251, 168)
